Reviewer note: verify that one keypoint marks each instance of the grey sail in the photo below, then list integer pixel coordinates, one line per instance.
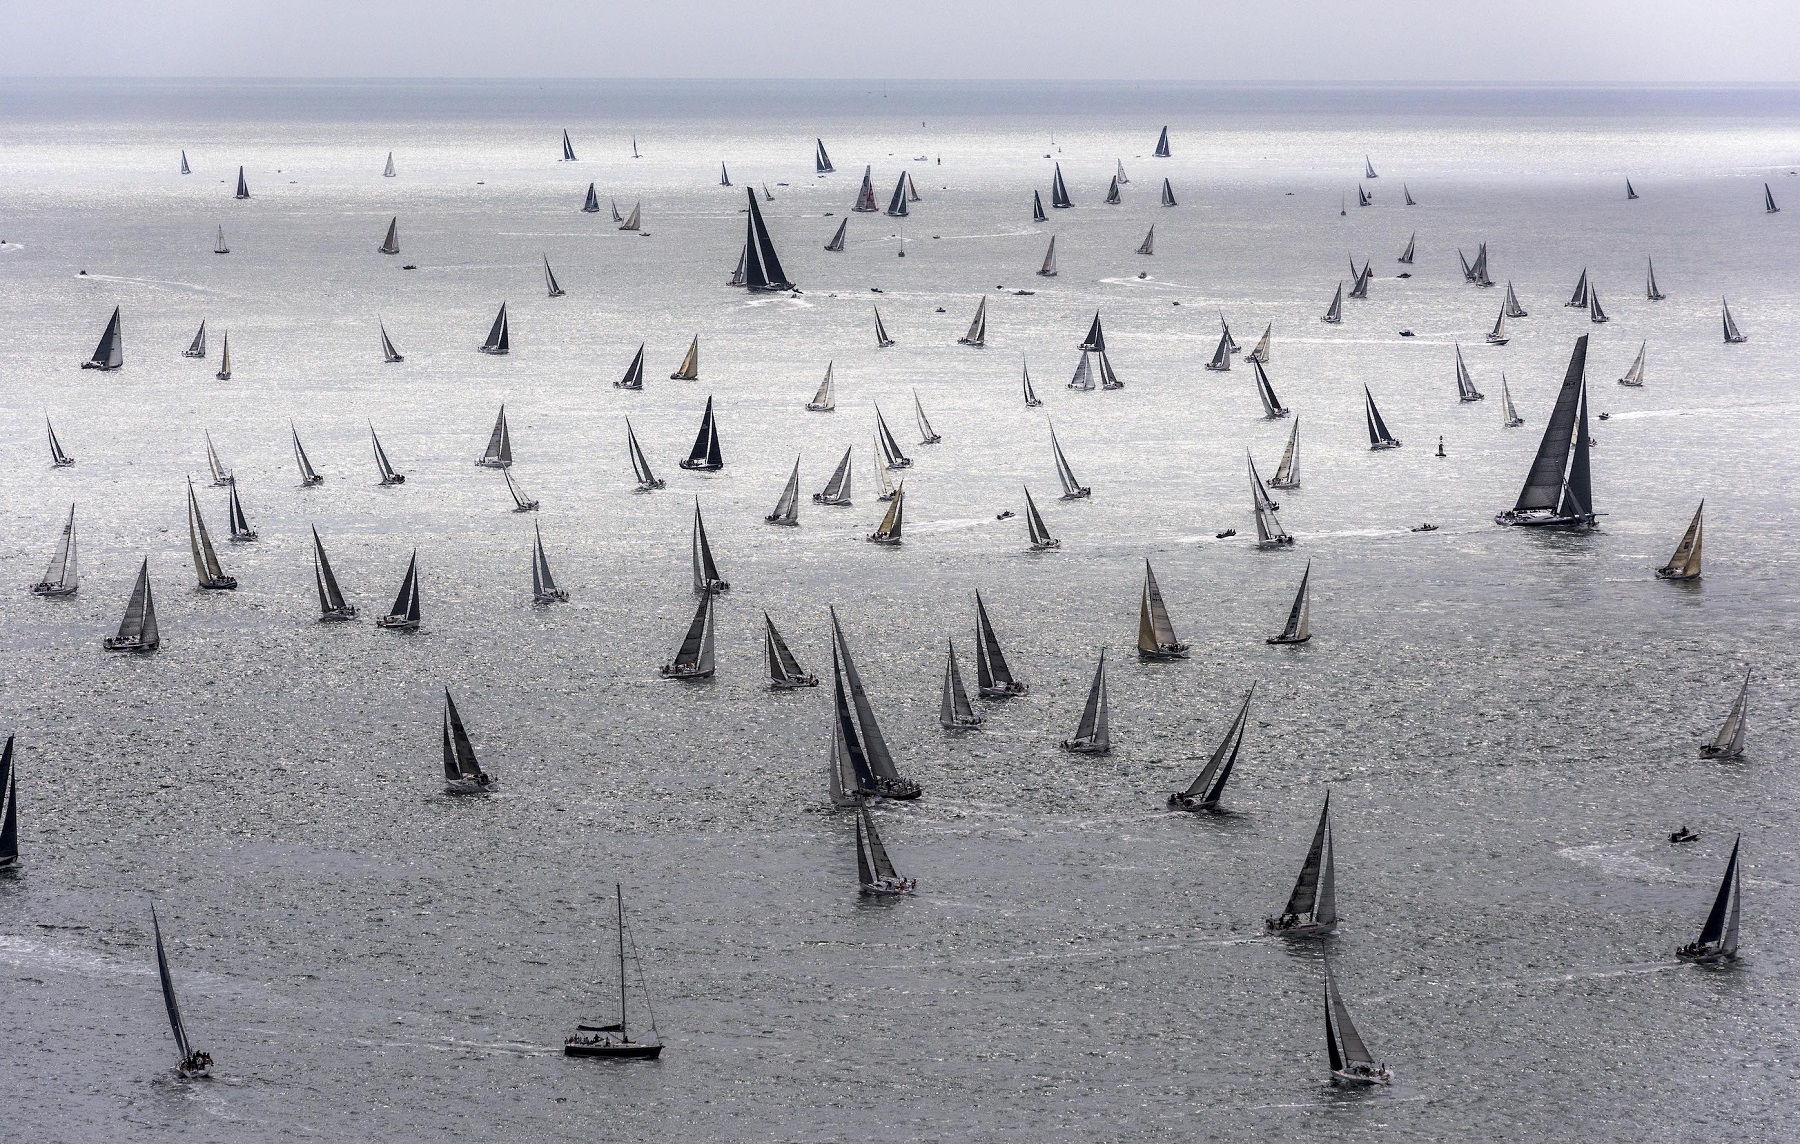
(404, 615)
(58, 458)
(1478, 273)
(1148, 246)
(1595, 314)
(613, 205)
(837, 489)
(883, 482)
(725, 178)
(1162, 144)
(1120, 174)
(1732, 335)
(994, 677)
(239, 520)
(1579, 299)
(1630, 192)
(1112, 192)
(1359, 282)
(1314, 898)
(1072, 488)
(9, 808)
(640, 464)
(836, 245)
(707, 580)
(1287, 473)
(1093, 735)
(591, 204)
(1108, 379)
(388, 172)
(1221, 359)
(1096, 336)
(912, 189)
(1729, 742)
(977, 335)
(197, 347)
(821, 161)
(1156, 639)
(1512, 309)
(185, 169)
(1406, 256)
(1208, 786)
(785, 672)
(1379, 437)
(543, 584)
(694, 658)
(1406, 192)
(1084, 374)
(1467, 272)
(1348, 1050)
(1168, 194)
(954, 709)
(498, 454)
(768, 195)
(689, 369)
(890, 448)
(110, 353)
(1556, 492)
(221, 476)
(521, 502)
(224, 373)
(243, 188)
(1265, 392)
(882, 341)
(1363, 197)
(1059, 191)
(1465, 384)
(63, 577)
(391, 243)
(635, 220)
(1650, 290)
(332, 605)
(1299, 622)
(893, 522)
(824, 399)
(550, 284)
(389, 354)
(1686, 561)
(865, 197)
(383, 468)
(737, 276)
(927, 436)
(1509, 415)
(787, 509)
(1037, 208)
(1269, 533)
(568, 150)
(167, 979)
(1769, 206)
(219, 246)
(499, 339)
(1035, 528)
(897, 206)
(1335, 312)
(877, 863)
(1634, 377)
(138, 630)
(1261, 352)
(634, 373)
(1368, 169)
(1032, 401)
(1048, 269)
(888, 781)
(207, 569)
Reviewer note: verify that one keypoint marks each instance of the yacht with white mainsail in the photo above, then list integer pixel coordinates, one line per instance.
(1287, 473)
(1072, 489)
(1634, 377)
(824, 399)
(787, 508)
(1209, 785)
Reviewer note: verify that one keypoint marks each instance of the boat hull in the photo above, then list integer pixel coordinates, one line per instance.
(1708, 751)
(812, 408)
(877, 538)
(686, 673)
(51, 590)
(397, 623)
(889, 888)
(219, 584)
(1358, 1078)
(612, 1050)
(1046, 545)
(114, 643)
(836, 502)
(557, 597)
(1278, 542)
(1712, 958)
(470, 786)
(794, 684)
(1299, 929)
(1163, 652)
(1580, 522)
(396, 479)
(484, 463)
(1083, 748)
(650, 486)
(773, 518)
(309, 482)
(1181, 800)
(1664, 573)
(339, 615)
(1078, 494)
(526, 506)
(700, 466)
(1288, 639)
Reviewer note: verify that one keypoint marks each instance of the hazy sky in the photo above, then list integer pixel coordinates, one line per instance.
(1120, 40)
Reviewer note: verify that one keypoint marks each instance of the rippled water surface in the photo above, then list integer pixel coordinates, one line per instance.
(1507, 722)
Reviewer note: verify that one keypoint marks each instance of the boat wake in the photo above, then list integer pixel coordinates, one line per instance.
(1619, 859)
(195, 287)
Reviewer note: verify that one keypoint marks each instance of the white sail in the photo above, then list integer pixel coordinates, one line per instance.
(1465, 385)
(63, 577)
(824, 399)
(1261, 352)
(221, 476)
(1148, 246)
(1072, 489)
(977, 335)
(927, 436)
(635, 220)
(1335, 312)
(1634, 377)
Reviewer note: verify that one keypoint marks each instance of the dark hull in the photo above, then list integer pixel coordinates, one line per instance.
(614, 1051)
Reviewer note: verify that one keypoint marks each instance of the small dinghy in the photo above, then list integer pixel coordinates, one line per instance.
(1299, 621)
(955, 712)
(787, 509)
(1729, 742)
(521, 502)
(241, 532)
(824, 399)
(707, 580)
(874, 869)
(63, 577)
(1072, 489)
(694, 658)
(194, 1063)
(1351, 1063)
(1209, 785)
(613, 1041)
(543, 585)
(498, 454)
(1041, 540)
(383, 469)
(1311, 910)
(994, 678)
(856, 717)
(333, 608)
(785, 672)
(308, 475)
(1156, 635)
(1093, 735)
(138, 630)
(1685, 563)
(705, 456)
(647, 481)
(462, 773)
(1718, 941)
(206, 560)
(1683, 836)
(499, 339)
(837, 489)
(888, 531)
(404, 615)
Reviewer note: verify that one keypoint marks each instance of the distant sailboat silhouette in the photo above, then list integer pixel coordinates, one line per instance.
(1299, 622)
(389, 354)
(138, 630)
(404, 615)
(63, 577)
(332, 606)
(1718, 940)
(1685, 563)
(390, 244)
(110, 353)
(836, 245)
(568, 155)
(1379, 437)
(1729, 742)
(499, 339)
(1156, 634)
(243, 188)
(1208, 786)
(388, 172)
(1093, 735)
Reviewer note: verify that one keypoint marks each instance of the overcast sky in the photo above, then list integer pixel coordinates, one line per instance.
(1120, 40)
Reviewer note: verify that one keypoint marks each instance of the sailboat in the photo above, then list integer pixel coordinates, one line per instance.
(1261, 352)
(58, 458)
(787, 509)
(1497, 336)
(1156, 638)
(705, 456)
(635, 220)
(647, 481)
(551, 286)
(884, 483)
(927, 436)
(1629, 192)
(521, 502)
(837, 489)
(1096, 336)
(568, 151)
(1221, 359)
(1359, 281)
(768, 195)
(1287, 473)
(785, 672)
(821, 161)
(241, 532)
(761, 266)
(977, 335)
(689, 369)
(1112, 192)
(634, 373)
(9, 809)
(197, 347)
(1269, 533)
(865, 195)
(185, 169)
(1032, 400)
(1335, 312)
(243, 188)
(543, 585)
(1265, 392)
(1168, 194)
(824, 399)
(591, 204)
(1729, 742)
(1467, 271)
(1595, 314)
(1379, 437)
(194, 1063)
(707, 580)
(725, 179)
(221, 476)
(498, 454)
(1683, 565)
(858, 720)
(63, 577)
(1120, 176)
(224, 373)
(836, 245)
(219, 246)
(1579, 299)
(1162, 145)
(994, 677)
(110, 353)
(333, 608)
(1351, 1062)
(955, 712)
(499, 339)
(1558, 491)
(389, 354)
(1093, 735)
(613, 1041)
(207, 570)
(138, 630)
(1634, 377)
(1369, 169)
(882, 341)
(1084, 374)
(1718, 940)
(874, 869)
(1769, 206)
(1299, 621)
(1311, 909)
(1511, 307)
(1650, 290)
(386, 472)
(1732, 336)
(1509, 415)
(1406, 255)
(404, 615)
(1035, 527)
(391, 243)
(1072, 489)
(1478, 273)
(1363, 198)
(388, 172)
(462, 771)
(890, 448)
(897, 207)
(888, 531)
(1059, 191)
(1148, 246)
(1209, 785)
(1037, 208)
(1465, 385)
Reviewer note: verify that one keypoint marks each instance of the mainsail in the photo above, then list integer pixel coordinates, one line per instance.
(1579, 299)
(498, 454)
(1112, 192)
(238, 519)
(404, 615)
(1032, 401)
(1509, 416)
(1037, 207)
(185, 169)
(1269, 533)
(1072, 489)
(694, 658)
(1595, 314)
(9, 808)
(1313, 902)
(705, 455)
(707, 580)
(1299, 622)
(58, 458)
(785, 671)
(1048, 269)
(893, 521)
(1511, 308)
(1650, 290)
(1156, 639)
(890, 448)
(955, 712)
(787, 508)
(568, 151)
(1221, 359)
(224, 373)
(389, 244)
(634, 220)
(1261, 352)
(1096, 337)
(1465, 385)
(388, 172)
(221, 476)
(243, 188)
(1406, 255)
(167, 980)
(837, 489)
(110, 353)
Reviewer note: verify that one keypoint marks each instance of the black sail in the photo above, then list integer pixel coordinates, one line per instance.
(773, 277)
(1544, 483)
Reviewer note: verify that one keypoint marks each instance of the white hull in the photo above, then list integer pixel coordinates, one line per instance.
(397, 623)
(1357, 1077)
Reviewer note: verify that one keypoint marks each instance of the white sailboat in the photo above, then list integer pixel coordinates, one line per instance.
(1287, 473)
(647, 481)
(498, 454)
(927, 435)
(1497, 336)
(1072, 489)
(1732, 335)
(221, 476)
(58, 458)
(1634, 377)
(138, 630)
(1156, 639)
(977, 335)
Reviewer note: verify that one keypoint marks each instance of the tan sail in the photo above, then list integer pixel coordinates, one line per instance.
(1685, 563)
